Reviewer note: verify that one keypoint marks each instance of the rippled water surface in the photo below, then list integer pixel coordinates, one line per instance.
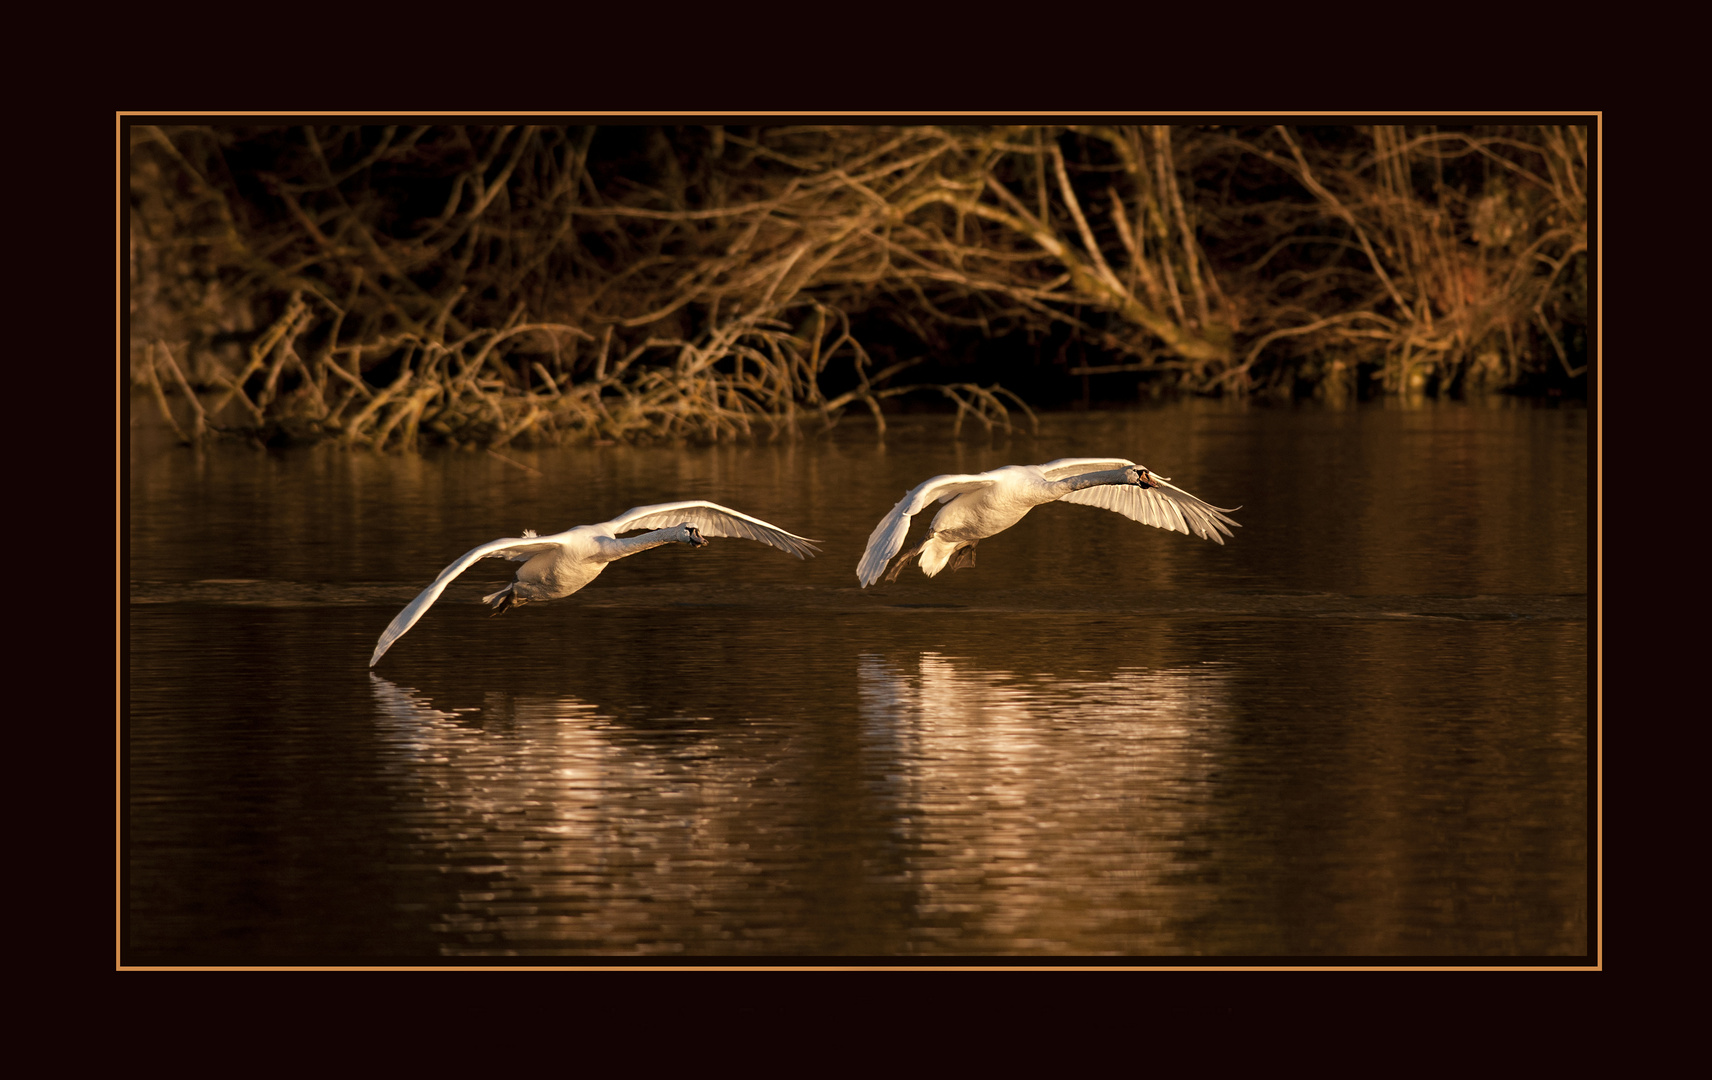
(1359, 729)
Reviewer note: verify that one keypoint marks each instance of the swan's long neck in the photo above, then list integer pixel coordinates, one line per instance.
(1065, 486)
(622, 546)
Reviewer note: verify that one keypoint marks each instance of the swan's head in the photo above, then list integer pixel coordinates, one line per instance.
(689, 534)
(1140, 477)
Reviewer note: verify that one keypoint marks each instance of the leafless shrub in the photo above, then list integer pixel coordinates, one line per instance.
(485, 285)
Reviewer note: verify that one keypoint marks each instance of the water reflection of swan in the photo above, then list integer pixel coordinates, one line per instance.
(1047, 813)
(979, 505)
(958, 727)
(556, 566)
(413, 718)
(496, 785)
(967, 705)
(405, 707)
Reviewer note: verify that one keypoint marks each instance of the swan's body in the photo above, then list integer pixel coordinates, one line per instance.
(556, 566)
(979, 505)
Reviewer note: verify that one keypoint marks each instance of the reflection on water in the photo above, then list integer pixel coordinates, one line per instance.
(1359, 729)
(1000, 811)
(1028, 803)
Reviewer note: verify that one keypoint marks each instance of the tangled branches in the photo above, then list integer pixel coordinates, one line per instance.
(1456, 258)
(480, 285)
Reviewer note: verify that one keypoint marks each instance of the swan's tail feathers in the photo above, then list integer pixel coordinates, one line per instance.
(503, 600)
(936, 554)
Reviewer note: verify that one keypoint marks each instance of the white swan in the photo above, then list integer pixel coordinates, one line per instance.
(556, 566)
(979, 505)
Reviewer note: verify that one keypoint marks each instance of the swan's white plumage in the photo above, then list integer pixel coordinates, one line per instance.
(887, 539)
(514, 548)
(994, 500)
(564, 562)
(714, 520)
(1075, 466)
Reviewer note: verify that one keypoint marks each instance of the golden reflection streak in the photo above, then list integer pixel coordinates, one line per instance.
(576, 833)
(1010, 789)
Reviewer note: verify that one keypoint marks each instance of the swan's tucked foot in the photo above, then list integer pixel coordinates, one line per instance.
(965, 556)
(903, 560)
(503, 600)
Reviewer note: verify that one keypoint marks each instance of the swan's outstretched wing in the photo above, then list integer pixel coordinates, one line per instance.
(1165, 507)
(515, 548)
(713, 520)
(887, 539)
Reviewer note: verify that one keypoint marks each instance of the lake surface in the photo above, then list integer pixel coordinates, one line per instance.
(1359, 729)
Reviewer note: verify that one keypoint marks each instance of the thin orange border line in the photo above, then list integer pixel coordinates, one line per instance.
(121, 389)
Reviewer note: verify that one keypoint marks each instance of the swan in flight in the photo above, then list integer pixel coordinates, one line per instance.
(556, 566)
(979, 505)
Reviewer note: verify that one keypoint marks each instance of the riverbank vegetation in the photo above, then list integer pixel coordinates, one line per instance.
(391, 286)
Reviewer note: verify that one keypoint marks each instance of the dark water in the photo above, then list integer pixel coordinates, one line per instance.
(1359, 729)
